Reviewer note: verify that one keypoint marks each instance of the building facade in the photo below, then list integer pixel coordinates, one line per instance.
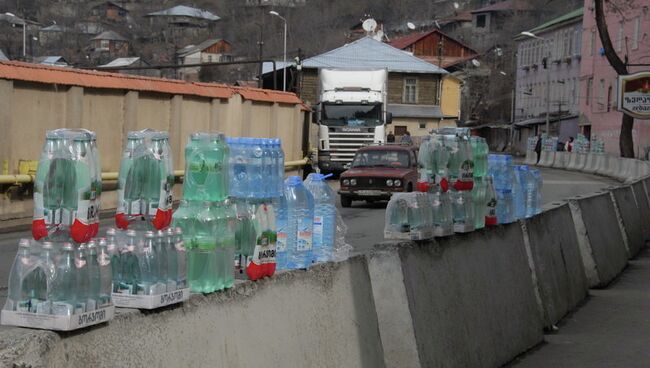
(629, 31)
(555, 58)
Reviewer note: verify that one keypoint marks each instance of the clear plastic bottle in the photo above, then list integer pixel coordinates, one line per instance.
(397, 215)
(478, 200)
(172, 259)
(282, 223)
(47, 262)
(490, 203)
(239, 163)
(130, 182)
(94, 276)
(505, 206)
(181, 253)
(105, 254)
(130, 266)
(300, 220)
(539, 182)
(441, 212)
(519, 191)
(84, 299)
(280, 167)
(256, 169)
(114, 252)
(245, 235)
(226, 225)
(160, 250)
(324, 232)
(149, 266)
(63, 293)
(268, 169)
(206, 166)
(463, 211)
(202, 258)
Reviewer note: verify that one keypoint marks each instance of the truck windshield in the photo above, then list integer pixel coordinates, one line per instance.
(352, 115)
(381, 158)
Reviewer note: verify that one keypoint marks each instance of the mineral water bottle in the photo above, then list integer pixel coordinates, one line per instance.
(47, 263)
(28, 281)
(160, 250)
(425, 160)
(282, 224)
(480, 152)
(84, 298)
(519, 191)
(490, 203)
(537, 175)
(148, 266)
(505, 206)
(130, 274)
(181, 253)
(478, 200)
(160, 181)
(97, 183)
(255, 179)
(53, 175)
(245, 235)
(104, 257)
(324, 231)
(172, 259)
(463, 211)
(397, 215)
(441, 212)
(300, 219)
(226, 225)
(202, 258)
(84, 212)
(114, 251)
(185, 218)
(130, 182)
(239, 163)
(63, 292)
(206, 165)
(279, 167)
(94, 276)
(268, 169)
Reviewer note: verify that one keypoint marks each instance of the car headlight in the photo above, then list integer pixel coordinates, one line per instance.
(389, 182)
(353, 181)
(346, 182)
(397, 183)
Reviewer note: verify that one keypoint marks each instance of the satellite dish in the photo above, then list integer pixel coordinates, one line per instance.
(410, 25)
(379, 36)
(369, 25)
(476, 63)
(456, 6)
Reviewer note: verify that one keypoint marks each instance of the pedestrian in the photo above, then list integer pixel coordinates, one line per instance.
(538, 147)
(406, 139)
(569, 145)
(390, 138)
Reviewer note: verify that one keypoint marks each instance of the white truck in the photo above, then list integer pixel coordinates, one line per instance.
(351, 113)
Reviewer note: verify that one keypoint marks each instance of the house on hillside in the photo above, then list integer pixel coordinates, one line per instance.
(130, 62)
(51, 34)
(208, 51)
(356, 31)
(490, 21)
(109, 11)
(563, 39)
(107, 46)
(51, 60)
(414, 85)
(183, 21)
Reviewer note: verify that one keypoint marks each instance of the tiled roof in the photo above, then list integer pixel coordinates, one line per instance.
(188, 50)
(185, 11)
(369, 53)
(36, 73)
(505, 5)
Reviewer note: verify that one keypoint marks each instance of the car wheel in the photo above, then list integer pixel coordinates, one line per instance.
(346, 201)
(409, 187)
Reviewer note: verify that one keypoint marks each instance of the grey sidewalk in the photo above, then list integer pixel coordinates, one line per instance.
(612, 329)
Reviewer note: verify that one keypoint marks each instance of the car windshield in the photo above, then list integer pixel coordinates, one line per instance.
(381, 158)
(351, 115)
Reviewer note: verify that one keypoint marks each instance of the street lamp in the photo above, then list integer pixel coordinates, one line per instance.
(548, 76)
(24, 36)
(284, 61)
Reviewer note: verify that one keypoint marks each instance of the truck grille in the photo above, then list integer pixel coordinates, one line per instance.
(343, 145)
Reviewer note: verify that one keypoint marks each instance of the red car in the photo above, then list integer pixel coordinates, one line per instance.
(377, 172)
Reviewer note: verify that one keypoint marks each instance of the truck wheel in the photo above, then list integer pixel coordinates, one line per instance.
(346, 202)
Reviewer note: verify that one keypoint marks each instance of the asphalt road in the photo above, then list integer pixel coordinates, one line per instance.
(365, 221)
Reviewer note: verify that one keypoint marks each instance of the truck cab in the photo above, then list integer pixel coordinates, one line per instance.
(351, 114)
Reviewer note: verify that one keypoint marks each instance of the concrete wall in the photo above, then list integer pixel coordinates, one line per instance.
(28, 110)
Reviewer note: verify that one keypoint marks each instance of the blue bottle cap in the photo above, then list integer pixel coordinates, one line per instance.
(293, 181)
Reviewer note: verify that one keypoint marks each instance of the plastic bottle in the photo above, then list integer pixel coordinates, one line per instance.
(148, 257)
(269, 170)
(181, 253)
(280, 167)
(463, 211)
(160, 250)
(480, 152)
(105, 254)
(536, 178)
(114, 251)
(324, 232)
(202, 272)
(169, 245)
(256, 163)
(239, 163)
(397, 217)
(130, 266)
(245, 235)
(300, 219)
(226, 226)
(479, 194)
(441, 212)
(94, 276)
(130, 183)
(96, 184)
(490, 203)
(282, 223)
(84, 299)
(519, 191)
(184, 218)
(206, 165)
(46, 262)
(160, 181)
(63, 293)
(505, 206)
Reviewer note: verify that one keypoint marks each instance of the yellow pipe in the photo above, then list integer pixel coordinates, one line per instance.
(112, 176)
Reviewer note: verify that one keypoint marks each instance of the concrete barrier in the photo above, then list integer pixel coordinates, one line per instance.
(601, 243)
(531, 158)
(546, 158)
(630, 219)
(323, 317)
(593, 161)
(561, 160)
(556, 261)
(641, 198)
(471, 298)
(572, 162)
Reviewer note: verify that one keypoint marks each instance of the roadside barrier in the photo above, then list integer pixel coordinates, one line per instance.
(561, 160)
(630, 219)
(531, 158)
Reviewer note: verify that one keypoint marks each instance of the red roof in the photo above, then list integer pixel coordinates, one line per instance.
(505, 5)
(408, 40)
(39, 73)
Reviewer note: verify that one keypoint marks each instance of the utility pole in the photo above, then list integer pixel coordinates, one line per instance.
(260, 79)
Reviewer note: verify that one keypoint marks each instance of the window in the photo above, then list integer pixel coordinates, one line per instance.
(619, 38)
(601, 94)
(566, 44)
(104, 44)
(423, 125)
(635, 33)
(609, 99)
(590, 85)
(480, 21)
(592, 42)
(209, 58)
(410, 90)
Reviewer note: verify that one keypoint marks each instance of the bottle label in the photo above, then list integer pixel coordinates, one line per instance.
(466, 170)
(304, 241)
(318, 229)
(492, 208)
(281, 244)
(264, 252)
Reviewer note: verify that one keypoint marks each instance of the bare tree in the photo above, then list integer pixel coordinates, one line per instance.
(626, 142)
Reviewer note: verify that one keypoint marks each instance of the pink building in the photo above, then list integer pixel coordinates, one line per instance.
(630, 34)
